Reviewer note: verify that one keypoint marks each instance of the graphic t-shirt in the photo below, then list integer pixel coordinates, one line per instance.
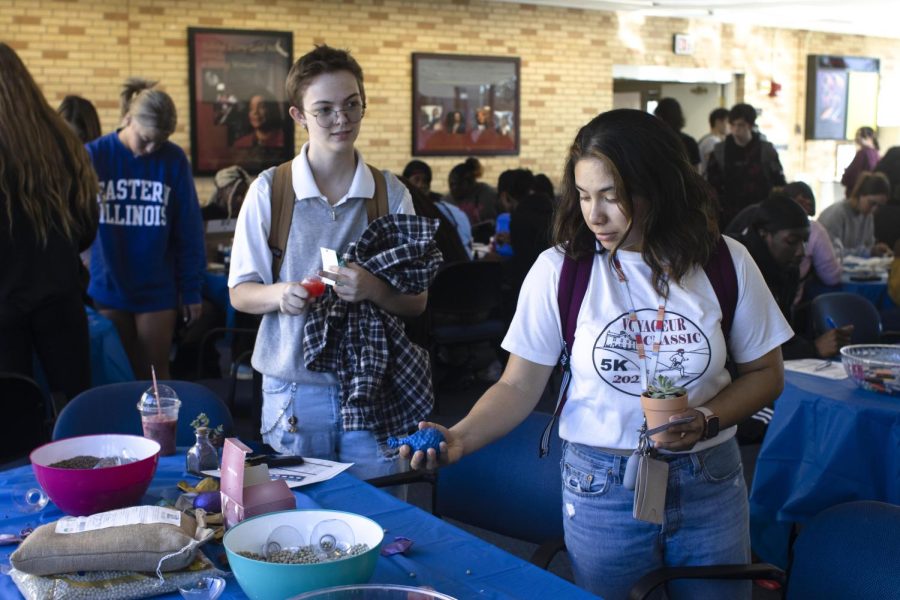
(604, 409)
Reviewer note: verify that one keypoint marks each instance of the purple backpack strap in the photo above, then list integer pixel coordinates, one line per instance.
(573, 283)
(722, 276)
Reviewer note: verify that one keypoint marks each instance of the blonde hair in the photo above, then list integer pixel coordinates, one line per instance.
(43, 165)
(151, 107)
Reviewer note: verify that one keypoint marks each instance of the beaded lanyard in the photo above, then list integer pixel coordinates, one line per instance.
(646, 378)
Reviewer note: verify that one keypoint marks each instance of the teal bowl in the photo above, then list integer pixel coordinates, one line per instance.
(274, 581)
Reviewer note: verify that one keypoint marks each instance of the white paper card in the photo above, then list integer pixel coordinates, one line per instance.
(117, 518)
(313, 470)
(329, 260)
(816, 366)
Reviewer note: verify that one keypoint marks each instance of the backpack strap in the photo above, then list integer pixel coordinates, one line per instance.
(573, 283)
(283, 210)
(282, 213)
(722, 276)
(378, 206)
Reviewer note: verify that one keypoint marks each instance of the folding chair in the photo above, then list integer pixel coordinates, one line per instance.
(112, 408)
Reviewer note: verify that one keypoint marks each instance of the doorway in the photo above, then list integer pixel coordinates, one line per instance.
(698, 91)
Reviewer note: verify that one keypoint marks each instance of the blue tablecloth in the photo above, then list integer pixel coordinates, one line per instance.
(443, 556)
(874, 291)
(829, 442)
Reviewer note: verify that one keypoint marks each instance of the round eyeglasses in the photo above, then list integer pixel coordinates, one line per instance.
(327, 116)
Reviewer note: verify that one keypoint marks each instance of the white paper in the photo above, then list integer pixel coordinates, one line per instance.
(118, 518)
(221, 226)
(313, 470)
(816, 366)
(329, 260)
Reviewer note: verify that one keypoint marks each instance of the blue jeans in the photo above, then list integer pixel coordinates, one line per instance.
(706, 522)
(319, 432)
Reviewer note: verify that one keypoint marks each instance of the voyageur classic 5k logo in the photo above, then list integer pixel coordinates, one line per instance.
(684, 350)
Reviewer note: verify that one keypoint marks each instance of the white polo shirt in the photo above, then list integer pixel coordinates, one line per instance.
(315, 223)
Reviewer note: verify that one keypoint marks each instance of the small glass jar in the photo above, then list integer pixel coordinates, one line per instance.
(202, 456)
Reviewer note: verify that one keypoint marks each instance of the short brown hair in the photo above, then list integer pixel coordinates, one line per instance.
(870, 184)
(323, 59)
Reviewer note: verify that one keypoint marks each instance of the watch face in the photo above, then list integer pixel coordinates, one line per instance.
(712, 427)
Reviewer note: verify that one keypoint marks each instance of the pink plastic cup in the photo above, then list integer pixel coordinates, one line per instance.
(159, 417)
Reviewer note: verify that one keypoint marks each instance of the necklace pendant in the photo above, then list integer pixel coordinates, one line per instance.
(292, 424)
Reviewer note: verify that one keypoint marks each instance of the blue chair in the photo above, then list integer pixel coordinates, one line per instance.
(847, 551)
(112, 408)
(845, 308)
(506, 488)
(463, 302)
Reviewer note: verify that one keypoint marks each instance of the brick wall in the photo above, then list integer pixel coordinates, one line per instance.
(89, 47)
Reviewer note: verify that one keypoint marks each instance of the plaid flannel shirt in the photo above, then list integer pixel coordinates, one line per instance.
(385, 378)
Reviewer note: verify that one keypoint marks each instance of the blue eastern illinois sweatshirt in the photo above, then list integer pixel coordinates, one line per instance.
(149, 251)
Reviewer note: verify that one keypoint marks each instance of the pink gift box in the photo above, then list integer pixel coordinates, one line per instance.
(249, 491)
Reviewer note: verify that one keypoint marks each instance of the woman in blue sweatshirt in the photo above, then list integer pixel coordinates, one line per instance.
(148, 258)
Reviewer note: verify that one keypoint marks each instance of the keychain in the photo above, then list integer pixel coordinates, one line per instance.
(631, 467)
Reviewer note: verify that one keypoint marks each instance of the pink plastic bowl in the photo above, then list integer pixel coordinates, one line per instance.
(80, 492)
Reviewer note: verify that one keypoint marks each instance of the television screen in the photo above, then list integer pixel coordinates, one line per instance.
(841, 96)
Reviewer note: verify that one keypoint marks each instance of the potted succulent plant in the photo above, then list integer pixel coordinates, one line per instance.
(661, 400)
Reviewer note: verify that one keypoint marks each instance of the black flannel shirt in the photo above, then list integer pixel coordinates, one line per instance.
(385, 379)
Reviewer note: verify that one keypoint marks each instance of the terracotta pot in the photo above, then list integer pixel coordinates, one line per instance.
(658, 411)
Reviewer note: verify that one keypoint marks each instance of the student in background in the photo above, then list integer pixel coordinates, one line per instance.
(776, 235)
(148, 259)
(447, 237)
(852, 222)
(81, 116)
(718, 129)
(419, 174)
(820, 265)
(866, 158)
(743, 168)
(669, 111)
(48, 194)
(529, 223)
(484, 194)
(543, 185)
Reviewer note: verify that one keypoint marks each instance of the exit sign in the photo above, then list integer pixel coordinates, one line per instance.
(683, 43)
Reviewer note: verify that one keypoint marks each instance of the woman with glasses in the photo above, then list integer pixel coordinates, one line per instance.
(148, 259)
(331, 182)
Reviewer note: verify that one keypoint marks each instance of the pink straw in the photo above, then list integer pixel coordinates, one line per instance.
(155, 389)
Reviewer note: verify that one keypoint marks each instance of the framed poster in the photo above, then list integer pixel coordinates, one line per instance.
(239, 110)
(841, 95)
(465, 105)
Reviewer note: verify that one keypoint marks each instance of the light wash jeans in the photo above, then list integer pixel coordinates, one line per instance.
(706, 522)
(319, 432)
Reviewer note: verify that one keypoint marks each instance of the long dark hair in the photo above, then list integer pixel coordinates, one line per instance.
(647, 159)
(44, 167)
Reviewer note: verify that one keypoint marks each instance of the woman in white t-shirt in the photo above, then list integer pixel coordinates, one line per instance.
(632, 200)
